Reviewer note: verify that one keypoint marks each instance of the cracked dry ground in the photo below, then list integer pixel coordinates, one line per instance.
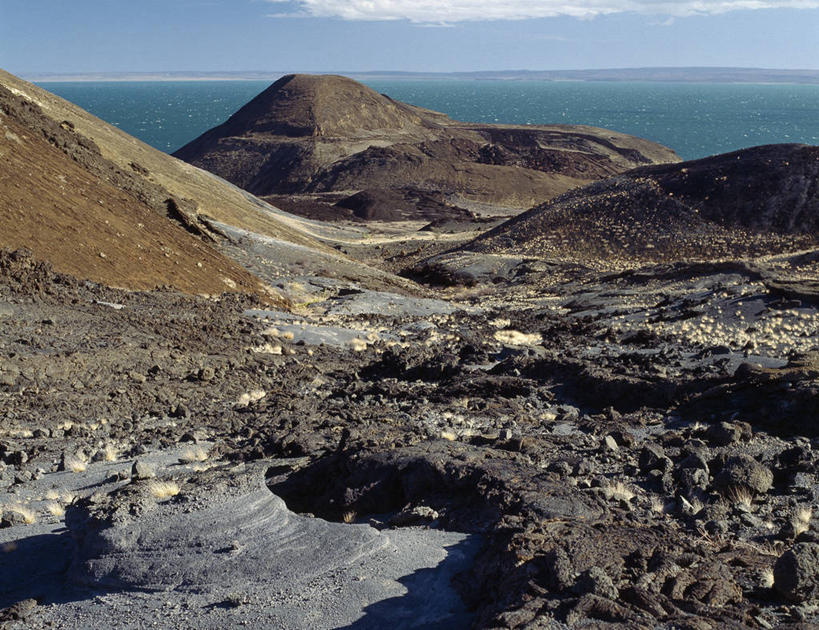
(648, 483)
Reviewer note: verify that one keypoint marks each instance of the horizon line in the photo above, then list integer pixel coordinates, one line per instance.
(395, 71)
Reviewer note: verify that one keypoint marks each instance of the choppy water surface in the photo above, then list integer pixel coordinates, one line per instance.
(696, 120)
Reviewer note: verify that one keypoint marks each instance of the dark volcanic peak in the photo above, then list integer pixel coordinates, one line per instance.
(319, 105)
(323, 134)
(756, 201)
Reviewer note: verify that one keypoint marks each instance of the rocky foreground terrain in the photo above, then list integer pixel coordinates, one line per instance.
(519, 440)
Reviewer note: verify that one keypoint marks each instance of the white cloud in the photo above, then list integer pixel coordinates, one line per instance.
(448, 11)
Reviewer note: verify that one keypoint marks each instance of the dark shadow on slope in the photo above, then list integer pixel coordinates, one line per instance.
(431, 601)
(35, 568)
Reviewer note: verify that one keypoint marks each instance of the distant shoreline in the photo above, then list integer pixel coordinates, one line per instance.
(657, 75)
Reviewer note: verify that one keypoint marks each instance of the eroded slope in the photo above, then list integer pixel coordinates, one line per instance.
(62, 210)
(213, 197)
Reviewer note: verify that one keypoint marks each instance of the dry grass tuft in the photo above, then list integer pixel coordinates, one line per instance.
(25, 512)
(801, 520)
(163, 490)
(766, 578)
(110, 453)
(251, 397)
(349, 517)
(55, 509)
(517, 338)
(618, 491)
(358, 345)
(771, 548)
(194, 454)
(740, 495)
(695, 505)
(75, 464)
(268, 348)
(52, 495)
(275, 332)
(295, 287)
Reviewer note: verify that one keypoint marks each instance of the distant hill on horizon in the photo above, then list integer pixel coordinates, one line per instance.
(659, 74)
(329, 135)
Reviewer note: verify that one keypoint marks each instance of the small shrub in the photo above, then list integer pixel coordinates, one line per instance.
(517, 338)
(110, 453)
(163, 490)
(358, 345)
(74, 464)
(25, 512)
(250, 397)
(194, 454)
(766, 578)
(55, 509)
(801, 520)
(618, 491)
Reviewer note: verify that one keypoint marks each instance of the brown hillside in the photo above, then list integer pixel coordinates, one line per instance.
(327, 105)
(213, 198)
(52, 205)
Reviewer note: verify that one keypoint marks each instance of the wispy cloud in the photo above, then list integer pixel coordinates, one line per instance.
(449, 11)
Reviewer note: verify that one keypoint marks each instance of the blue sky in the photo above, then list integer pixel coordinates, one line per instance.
(416, 35)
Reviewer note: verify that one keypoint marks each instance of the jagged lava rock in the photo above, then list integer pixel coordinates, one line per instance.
(796, 573)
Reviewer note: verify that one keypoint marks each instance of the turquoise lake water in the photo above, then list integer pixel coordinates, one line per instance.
(695, 120)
